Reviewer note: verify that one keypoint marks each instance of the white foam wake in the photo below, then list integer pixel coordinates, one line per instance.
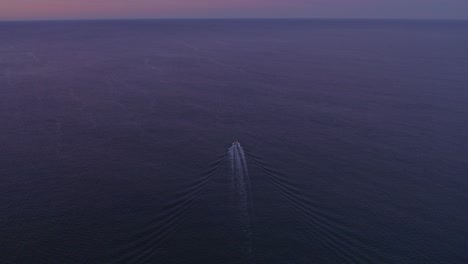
(240, 180)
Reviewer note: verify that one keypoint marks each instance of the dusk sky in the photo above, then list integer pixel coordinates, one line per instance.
(104, 9)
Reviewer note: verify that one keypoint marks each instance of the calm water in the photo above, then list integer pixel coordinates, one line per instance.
(116, 142)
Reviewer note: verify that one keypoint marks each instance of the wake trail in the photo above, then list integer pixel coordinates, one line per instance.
(339, 238)
(241, 183)
(147, 242)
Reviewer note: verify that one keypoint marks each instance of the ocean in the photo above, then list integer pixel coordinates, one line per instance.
(234, 141)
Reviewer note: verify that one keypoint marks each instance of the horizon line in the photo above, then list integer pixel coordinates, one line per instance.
(234, 18)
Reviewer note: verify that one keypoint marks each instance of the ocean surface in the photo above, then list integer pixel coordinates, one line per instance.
(116, 141)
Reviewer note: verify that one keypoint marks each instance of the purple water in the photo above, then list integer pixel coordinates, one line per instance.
(115, 134)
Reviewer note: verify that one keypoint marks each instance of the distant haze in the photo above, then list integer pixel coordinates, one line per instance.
(109, 9)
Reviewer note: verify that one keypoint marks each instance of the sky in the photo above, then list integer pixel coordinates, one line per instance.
(111, 9)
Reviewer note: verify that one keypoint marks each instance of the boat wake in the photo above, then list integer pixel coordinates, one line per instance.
(332, 234)
(241, 185)
(147, 242)
(327, 230)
